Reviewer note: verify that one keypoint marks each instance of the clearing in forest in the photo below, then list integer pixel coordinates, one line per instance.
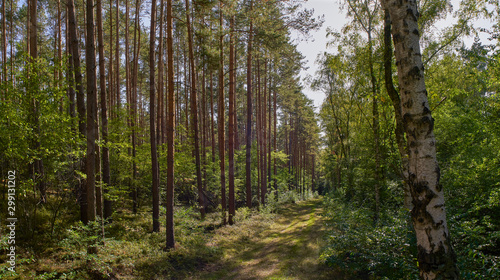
(286, 246)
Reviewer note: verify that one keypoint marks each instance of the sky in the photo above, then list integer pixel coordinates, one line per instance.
(317, 44)
(335, 19)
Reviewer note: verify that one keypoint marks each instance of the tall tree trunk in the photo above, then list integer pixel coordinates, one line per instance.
(12, 42)
(70, 72)
(258, 129)
(313, 174)
(133, 104)
(75, 55)
(220, 117)
(269, 141)
(436, 257)
(396, 103)
(194, 113)
(160, 117)
(248, 160)
(204, 133)
(110, 91)
(231, 128)
(186, 94)
(275, 143)
(104, 113)
(152, 130)
(170, 132)
(212, 126)
(59, 47)
(264, 136)
(117, 59)
(91, 112)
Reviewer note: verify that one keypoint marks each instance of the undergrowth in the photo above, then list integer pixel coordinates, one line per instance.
(387, 250)
(363, 250)
(130, 250)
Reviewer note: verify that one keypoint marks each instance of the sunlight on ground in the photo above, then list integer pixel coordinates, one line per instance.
(281, 246)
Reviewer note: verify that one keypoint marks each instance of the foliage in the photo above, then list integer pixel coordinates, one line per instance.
(386, 250)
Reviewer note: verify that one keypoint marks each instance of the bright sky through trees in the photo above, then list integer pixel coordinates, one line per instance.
(334, 19)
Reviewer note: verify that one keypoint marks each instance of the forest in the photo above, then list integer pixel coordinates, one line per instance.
(173, 139)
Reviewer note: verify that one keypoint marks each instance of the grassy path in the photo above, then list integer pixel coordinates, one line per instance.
(284, 247)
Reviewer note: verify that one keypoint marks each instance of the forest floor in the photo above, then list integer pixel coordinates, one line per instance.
(284, 247)
(260, 245)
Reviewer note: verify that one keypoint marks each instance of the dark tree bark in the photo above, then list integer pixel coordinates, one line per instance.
(436, 257)
(104, 112)
(160, 116)
(275, 143)
(117, 59)
(248, 161)
(111, 81)
(152, 130)
(264, 136)
(269, 138)
(220, 118)
(212, 126)
(170, 132)
(194, 113)
(80, 100)
(91, 112)
(133, 104)
(231, 128)
(258, 129)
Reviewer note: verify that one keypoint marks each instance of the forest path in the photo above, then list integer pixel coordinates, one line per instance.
(285, 247)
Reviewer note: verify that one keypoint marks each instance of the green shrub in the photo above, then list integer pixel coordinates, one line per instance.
(361, 249)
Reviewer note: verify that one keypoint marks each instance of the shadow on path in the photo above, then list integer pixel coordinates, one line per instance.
(287, 247)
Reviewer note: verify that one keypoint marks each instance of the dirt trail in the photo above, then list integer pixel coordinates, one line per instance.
(286, 247)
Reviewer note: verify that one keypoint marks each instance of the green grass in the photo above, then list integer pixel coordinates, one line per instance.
(261, 245)
(281, 246)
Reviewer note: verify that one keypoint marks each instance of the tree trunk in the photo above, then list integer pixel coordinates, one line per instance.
(104, 113)
(436, 257)
(220, 118)
(110, 91)
(117, 59)
(194, 113)
(152, 130)
(170, 132)
(269, 141)
(59, 47)
(258, 129)
(263, 126)
(396, 103)
(160, 117)
(91, 112)
(275, 143)
(133, 104)
(80, 99)
(231, 128)
(212, 126)
(248, 162)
